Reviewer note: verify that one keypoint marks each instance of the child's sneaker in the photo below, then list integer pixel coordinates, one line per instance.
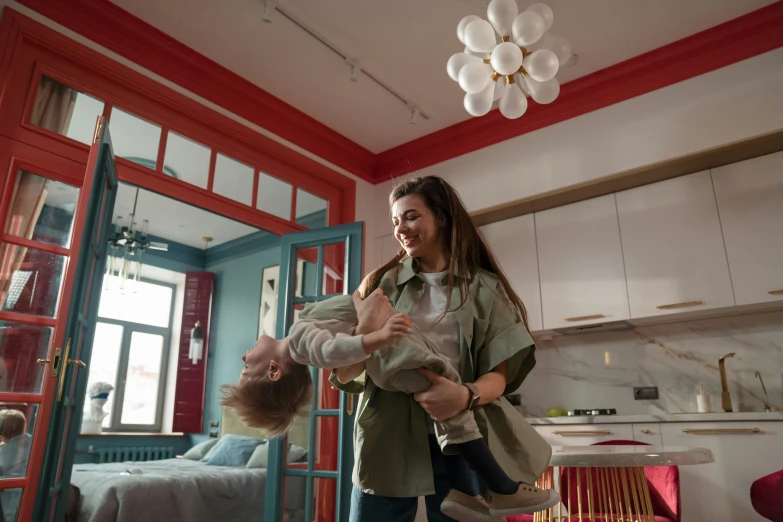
(464, 508)
(527, 499)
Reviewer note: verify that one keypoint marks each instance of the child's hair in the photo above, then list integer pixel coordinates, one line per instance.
(12, 423)
(271, 406)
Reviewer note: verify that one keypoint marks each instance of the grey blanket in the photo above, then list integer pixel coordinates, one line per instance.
(171, 490)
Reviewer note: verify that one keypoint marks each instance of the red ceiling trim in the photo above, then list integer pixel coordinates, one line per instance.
(119, 31)
(739, 39)
(116, 29)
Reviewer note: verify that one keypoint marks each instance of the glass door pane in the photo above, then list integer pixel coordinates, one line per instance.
(17, 425)
(21, 345)
(84, 277)
(140, 403)
(42, 210)
(315, 265)
(104, 364)
(10, 500)
(30, 280)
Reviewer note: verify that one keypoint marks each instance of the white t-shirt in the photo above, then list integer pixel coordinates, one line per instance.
(444, 334)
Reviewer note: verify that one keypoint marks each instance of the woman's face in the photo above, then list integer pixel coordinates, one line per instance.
(416, 227)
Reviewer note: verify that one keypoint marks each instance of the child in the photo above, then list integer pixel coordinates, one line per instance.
(275, 388)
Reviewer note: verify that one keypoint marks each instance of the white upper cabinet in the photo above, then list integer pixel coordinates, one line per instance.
(513, 241)
(581, 264)
(750, 203)
(675, 260)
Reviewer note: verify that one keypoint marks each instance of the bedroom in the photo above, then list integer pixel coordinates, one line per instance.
(225, 134)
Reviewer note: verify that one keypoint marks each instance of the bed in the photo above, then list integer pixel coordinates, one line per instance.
(180, 489)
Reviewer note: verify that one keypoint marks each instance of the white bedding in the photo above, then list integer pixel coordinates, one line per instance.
(174, 490)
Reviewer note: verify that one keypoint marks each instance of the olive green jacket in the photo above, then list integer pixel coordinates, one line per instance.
(391, 446)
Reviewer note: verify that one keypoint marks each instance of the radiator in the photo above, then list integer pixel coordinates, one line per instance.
(136, 454)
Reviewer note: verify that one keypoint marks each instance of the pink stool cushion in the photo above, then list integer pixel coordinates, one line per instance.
(766, 495)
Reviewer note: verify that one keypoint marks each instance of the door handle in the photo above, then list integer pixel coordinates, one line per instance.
(647, 431)
(67, 360)
(584, 318)
(43, 362)
(674, 306)
(722, 431)
(579, 433)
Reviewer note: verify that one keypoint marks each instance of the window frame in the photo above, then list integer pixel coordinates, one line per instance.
(122, 366)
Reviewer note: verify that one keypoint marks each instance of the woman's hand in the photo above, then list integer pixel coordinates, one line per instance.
(444, 399)
(372, 312)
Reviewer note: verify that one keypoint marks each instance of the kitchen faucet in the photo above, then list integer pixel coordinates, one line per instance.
(766, 404)
(725, 395)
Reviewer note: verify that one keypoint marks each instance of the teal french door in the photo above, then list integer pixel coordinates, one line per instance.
(315, 265)
(92, 225)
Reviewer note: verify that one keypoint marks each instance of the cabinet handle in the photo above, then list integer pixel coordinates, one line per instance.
(775, 292)
(722, 431)
(686, 304)
(584, 318)
(647, 431)
(581, 433)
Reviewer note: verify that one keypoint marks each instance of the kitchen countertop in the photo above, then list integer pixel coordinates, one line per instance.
(745, 416)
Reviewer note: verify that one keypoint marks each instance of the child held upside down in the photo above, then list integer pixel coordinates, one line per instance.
(275, 388)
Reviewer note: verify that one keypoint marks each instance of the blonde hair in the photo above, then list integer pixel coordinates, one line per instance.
(271, 406)
(12, 423)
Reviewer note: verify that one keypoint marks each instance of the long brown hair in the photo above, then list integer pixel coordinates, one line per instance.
(465, 243)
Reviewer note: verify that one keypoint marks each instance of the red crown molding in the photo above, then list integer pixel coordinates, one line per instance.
(119, 31)
(116, 29)
(736, 40)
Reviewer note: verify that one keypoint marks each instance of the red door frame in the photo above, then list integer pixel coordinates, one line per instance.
(29, 50)
(20, 156)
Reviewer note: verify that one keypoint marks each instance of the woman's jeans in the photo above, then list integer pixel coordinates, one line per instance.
(373, 508)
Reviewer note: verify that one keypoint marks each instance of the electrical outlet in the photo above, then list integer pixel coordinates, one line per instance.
(213, 434)
(645, 393)
(214, 424)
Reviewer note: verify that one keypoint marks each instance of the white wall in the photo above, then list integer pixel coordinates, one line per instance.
(731, 104)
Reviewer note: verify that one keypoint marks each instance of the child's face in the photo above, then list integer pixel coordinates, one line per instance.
(265, 358)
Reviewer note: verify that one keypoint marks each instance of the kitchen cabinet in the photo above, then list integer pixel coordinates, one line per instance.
(675, 260)
(750, 204)
(649, 433)
(744, 452)
(584, 434)
(581, 264)
(513, 241)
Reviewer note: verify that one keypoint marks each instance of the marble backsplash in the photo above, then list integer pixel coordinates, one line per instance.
(599, 370)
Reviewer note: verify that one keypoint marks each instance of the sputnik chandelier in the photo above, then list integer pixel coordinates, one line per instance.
(525, 61)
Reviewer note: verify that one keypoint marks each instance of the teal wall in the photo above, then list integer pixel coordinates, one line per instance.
(234, 325)
(238, 266)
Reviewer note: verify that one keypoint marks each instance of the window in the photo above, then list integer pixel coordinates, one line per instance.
(130, 352)
(65, 111)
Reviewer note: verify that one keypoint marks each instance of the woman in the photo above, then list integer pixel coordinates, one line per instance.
(449, 283)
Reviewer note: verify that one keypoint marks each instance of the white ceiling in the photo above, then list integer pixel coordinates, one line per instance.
(177, 221)
(406, 44)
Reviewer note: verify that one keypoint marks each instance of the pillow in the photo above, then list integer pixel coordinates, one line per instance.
(198, 451)
(260, 457)
(296, 454)
(232, 450)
